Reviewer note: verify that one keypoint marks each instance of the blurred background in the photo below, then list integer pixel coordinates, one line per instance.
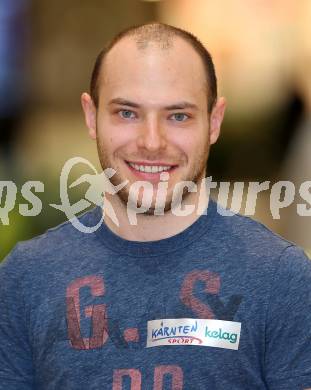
(262, 53)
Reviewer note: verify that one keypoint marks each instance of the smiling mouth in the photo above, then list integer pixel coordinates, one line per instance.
(151, 168)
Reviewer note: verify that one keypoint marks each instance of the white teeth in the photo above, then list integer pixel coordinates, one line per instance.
(150, 168)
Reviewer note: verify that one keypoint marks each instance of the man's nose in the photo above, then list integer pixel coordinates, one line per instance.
(152, 135)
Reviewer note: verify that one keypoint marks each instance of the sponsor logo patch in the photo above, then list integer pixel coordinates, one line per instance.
(193, 331)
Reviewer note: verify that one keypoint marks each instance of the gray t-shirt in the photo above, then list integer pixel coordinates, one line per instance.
(74, 310)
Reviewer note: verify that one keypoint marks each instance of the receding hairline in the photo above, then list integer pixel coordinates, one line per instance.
(152, 33)
(145, 47)
(163, 37)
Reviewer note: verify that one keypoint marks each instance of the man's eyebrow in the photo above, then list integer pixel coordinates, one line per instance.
(176, 106)
(123, 102)
(181, 106)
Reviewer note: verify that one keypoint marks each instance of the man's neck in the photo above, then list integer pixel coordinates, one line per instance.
(144, 227)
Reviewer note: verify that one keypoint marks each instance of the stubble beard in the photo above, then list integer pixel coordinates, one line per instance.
(198, 169)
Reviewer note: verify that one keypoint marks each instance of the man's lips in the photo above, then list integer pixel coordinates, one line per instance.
(150, 168)
(150, 163)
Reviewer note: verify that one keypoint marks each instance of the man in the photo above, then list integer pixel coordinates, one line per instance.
(180, 299)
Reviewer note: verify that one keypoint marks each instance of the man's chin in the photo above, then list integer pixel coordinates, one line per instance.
(151, 202)
(145, 209)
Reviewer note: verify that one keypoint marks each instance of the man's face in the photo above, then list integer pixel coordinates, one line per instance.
(152, 116)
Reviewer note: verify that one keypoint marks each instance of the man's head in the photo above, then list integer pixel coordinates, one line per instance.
(153, 107)
(163, 35)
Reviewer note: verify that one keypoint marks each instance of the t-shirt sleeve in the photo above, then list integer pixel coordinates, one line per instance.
(288, 324)
(15, 351)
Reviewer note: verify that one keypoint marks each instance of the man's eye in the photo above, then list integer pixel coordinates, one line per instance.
(180, 117)
(126, 114)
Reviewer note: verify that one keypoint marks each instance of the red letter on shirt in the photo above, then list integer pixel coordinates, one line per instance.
(176, 373)
(132, 373)
(212, 286)
(96, 312)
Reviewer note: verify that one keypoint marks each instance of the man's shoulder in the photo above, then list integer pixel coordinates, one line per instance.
(252, 246)
(59, 241)
(246, 234)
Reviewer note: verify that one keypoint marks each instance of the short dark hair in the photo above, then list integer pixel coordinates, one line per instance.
(163, 34)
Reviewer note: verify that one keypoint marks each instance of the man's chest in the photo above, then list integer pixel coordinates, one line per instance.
(94, 328)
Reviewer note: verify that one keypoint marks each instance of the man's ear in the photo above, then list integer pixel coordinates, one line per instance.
(89, 113)
(216, 119)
